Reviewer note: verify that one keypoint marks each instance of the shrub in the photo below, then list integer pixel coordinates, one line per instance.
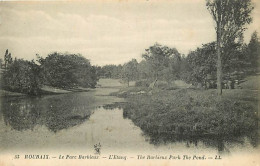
(161, 84)
(22, 76)
(68, 70)
(142, 83)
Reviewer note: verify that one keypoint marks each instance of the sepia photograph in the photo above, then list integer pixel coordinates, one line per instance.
(130, 82)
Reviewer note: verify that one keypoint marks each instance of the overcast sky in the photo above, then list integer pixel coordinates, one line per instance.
(110, 32)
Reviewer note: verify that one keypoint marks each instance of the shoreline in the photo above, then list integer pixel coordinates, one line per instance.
(46, 90)
(49, 90)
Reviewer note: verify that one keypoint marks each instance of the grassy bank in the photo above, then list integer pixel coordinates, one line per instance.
(8, 93)
(108, 86)
(190, 114)
(45, 90)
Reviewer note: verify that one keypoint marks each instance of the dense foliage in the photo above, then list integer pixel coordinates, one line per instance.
(129, 71)
(226, 59)
(57, 70)
(159, 62)
(1, 63)
(22, 76)
(167, 64)
(68, 70)
(201, 62)
(253, 52)
(231, 18)
(110, 71)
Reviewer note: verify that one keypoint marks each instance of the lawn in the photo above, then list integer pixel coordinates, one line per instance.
(185, 114)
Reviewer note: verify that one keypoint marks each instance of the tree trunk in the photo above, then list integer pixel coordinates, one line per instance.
(219, 63)
(152, 85)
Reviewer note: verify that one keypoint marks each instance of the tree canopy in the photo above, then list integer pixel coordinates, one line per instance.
(68, 70)
(253, 50)
(22, 76)
(161, 60)
(231, 18)
(129, 71)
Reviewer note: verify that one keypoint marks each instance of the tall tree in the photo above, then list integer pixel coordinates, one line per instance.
(129, 71)
(253, 51)
(231, 18)
(202, 63)
(8, 59)
(161, 60)
(1, 62)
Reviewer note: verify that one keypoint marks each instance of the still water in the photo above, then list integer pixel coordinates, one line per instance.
(78, 121)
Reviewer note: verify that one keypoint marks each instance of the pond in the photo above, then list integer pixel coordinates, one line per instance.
(78, 121)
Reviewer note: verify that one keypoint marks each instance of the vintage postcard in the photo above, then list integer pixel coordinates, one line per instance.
(129, 82)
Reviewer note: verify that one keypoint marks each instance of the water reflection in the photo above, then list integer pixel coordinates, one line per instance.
(108, 125)
(218, 142)
(55, 112)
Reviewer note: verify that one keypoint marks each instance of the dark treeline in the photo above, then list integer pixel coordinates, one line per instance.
(198, 67)
(159, 64)
(56, 70)
(110, 71)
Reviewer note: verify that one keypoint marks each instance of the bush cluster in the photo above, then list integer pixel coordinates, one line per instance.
(142, 83)
(22, 76)
(57, 70)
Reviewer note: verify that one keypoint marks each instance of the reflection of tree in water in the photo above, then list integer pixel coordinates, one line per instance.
(55, 112)
(66, 112)
(216, 141)
(19, 115)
